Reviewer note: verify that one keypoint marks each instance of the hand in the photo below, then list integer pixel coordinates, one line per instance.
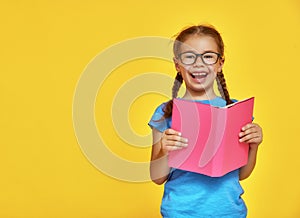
(251, 134)
(171, 140)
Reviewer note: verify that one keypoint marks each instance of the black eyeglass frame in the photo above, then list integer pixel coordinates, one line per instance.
(201, 56)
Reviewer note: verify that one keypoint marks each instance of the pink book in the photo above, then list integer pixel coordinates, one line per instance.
(213, 136)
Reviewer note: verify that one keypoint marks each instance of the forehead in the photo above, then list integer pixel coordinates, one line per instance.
(199, 44)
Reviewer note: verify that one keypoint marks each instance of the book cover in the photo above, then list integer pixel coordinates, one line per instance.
(213, 136)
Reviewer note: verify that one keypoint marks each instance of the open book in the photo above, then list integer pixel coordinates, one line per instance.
(213, 136)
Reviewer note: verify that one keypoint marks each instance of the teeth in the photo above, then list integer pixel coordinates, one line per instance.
(199, 74)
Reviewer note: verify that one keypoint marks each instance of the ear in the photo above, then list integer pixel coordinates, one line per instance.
(177, 65)
(222, 60)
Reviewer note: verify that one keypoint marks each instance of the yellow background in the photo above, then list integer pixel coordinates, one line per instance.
(45, 46)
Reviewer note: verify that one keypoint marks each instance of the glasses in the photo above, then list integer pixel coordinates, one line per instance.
(189, 58)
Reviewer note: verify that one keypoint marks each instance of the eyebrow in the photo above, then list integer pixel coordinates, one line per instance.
(199, 53)
(206, 51)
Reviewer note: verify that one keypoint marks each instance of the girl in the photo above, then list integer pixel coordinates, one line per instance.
(199, 58)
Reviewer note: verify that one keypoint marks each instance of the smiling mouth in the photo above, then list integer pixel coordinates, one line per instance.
(198, 75)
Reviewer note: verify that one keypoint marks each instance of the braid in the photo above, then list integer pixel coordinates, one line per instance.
(176, 86)
(223, 88)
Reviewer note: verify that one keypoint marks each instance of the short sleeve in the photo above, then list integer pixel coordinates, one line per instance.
(157, 120)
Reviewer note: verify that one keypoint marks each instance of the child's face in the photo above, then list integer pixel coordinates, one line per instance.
(199, 77)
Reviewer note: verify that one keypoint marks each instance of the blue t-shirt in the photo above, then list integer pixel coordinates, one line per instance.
(193, 195)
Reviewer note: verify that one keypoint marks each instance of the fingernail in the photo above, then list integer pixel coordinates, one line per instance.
(179, 133)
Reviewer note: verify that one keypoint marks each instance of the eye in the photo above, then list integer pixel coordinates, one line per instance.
(188, 56)
(209, 56)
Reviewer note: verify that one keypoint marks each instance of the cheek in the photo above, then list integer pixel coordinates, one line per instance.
(212, 69)
(184, 72)
(184, 69)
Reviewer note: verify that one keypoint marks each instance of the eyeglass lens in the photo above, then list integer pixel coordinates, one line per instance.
(207, 58)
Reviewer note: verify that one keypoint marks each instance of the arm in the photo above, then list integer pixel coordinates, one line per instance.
(251, 134)
(164, 142)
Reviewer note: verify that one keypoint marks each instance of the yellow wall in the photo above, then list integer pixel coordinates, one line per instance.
(45, 47)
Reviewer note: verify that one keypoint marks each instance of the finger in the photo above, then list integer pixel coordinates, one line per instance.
(248, 137)
(167, 144)
(176, 138)
(248, 126)
(172, 132)
(180, 144)
(254, 141)
(175, 146)
(248, 131)
(176, 143)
